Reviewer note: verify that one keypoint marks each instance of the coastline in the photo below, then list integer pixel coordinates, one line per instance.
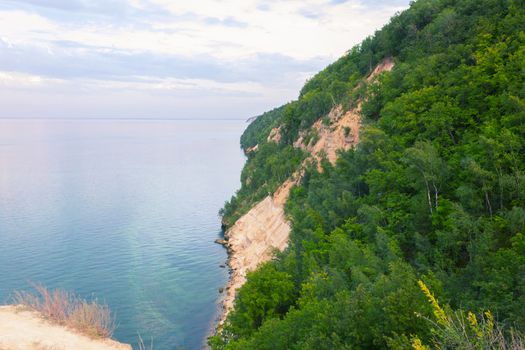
(255, 236)
(253, 239)
(264, 228)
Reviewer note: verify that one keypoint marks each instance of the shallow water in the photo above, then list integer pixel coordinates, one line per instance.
(123, 211)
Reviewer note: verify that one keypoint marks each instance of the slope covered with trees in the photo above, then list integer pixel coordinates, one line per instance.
(435, 191)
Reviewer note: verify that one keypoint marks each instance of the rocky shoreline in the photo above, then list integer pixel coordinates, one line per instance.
(250, 242)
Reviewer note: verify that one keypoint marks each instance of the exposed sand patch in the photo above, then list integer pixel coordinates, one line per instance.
(252, 149)
(275, 135)
(341, 133)
(385, 66)
(27, 330)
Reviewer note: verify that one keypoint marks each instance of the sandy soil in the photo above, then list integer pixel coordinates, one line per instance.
(275, 135)
(385, 66)
(27, 330)
(341, 134)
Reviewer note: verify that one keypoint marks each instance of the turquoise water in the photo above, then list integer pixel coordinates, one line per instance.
(123, 211)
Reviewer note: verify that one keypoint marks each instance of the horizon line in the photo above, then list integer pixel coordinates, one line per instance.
(123, 118)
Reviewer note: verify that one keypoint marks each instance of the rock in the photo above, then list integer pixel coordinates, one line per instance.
(221, 290)
(221, 241)
(222, 266)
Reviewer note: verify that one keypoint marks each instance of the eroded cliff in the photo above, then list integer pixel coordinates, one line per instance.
(263, 229)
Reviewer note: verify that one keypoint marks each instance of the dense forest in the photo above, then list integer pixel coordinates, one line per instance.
(415, 238)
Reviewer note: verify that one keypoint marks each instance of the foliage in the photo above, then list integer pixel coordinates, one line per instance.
(258, 130)
(264, 172)
(435, 190)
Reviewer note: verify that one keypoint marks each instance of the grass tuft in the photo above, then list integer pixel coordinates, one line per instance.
(65, 308)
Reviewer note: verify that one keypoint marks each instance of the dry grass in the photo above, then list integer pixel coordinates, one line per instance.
(87, 317)
(142, 345)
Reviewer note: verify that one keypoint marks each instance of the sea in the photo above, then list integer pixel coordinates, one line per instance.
(124, 212)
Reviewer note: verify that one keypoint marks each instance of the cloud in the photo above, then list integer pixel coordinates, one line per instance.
(310, 14)
(57, 9)
(227, 29)
(246, 49)
(56, 4)
(73, 60)
(228, 22)
(16, 80)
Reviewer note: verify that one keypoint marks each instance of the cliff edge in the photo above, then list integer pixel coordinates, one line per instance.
(28, 330)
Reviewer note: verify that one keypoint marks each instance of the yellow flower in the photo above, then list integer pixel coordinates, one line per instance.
(438, 311)
(474, 324)
(472, 319)
(418, 345)
(490, 322)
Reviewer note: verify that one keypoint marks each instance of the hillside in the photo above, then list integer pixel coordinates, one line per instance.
(264, 229)
(404, 162)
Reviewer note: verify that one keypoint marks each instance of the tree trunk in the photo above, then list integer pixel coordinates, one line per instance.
(435, 193)
(428, 197)
(488, 203)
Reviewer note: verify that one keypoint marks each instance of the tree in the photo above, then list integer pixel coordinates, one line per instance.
(427, 167)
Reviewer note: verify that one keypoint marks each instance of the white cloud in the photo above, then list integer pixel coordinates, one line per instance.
(144, 84)
(328, 30)
(77, 49)
(17, 80)
(173, 85)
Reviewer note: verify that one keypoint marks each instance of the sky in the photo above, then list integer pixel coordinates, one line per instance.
(200, 59)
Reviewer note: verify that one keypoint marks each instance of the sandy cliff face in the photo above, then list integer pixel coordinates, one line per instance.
(251, 241)
(265, 228)
(27, 330)
(254, 237)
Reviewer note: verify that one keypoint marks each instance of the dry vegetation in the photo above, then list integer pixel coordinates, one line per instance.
(87, 317)
(142, 345)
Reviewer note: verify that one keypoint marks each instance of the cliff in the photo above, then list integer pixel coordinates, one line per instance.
(264, 228)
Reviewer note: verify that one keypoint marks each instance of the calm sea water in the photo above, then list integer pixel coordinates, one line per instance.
(123, 211)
